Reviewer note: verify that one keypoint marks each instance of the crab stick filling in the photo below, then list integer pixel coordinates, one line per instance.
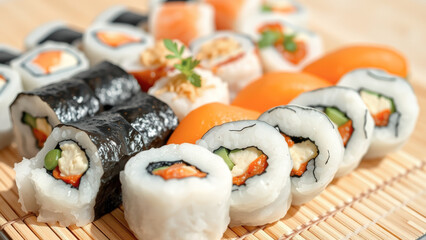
(67, 163)
(178, 171)
(219, 52)
(291, 46)
(52, 61)
(301, 153)
(343, 123)
(243, 163)
(380, 107)
(40, 128)
(115, 39)
(2, 82)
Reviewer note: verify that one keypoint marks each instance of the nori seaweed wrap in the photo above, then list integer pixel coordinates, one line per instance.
(7, 54)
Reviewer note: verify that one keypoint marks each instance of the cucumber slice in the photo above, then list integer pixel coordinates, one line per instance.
(223, 153)
(30, 120)
(160, 168)
(336, 116)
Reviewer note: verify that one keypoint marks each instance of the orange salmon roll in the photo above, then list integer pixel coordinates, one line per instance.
(334, 65)
(183, 21)
(274, 89)
(199, 121)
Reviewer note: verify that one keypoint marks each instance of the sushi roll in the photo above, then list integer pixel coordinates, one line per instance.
(198, 182)
(315, 147)
(74, 179)
(184, 21)
(230, 56)
(10, 86)
(122, 15)
(110, 83)
(48, 63)
(229, 14)
(35, 113)
(55, 31)
(152, 64)
(114, 42)
(348, 112)
(290, 10)
(260, 164)
(283, 46)
(392, 103)
(7, 54)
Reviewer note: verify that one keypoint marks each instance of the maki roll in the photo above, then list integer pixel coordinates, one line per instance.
(7, 54)
(35, 113)
(348, 112)
(230, 56)
(10, 86)
(290, 10)
(48, 63)
(184, 21)
(260, 164)
(197, 181)
(114, 42)
(122, 15)
(392, 103)
(110, 83)
(283, 46)
(315, 147)
(55, 31)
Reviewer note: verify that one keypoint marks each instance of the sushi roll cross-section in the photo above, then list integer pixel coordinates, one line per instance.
(7, 54)
(122, 15)
(55, 31)
(289, 10)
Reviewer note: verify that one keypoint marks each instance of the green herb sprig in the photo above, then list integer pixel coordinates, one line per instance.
(269, 38)
(187, 65)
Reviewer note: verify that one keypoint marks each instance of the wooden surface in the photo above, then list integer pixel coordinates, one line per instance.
(380, 200)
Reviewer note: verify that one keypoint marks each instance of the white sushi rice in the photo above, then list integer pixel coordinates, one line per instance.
(251, 203)
(8, 92)
(53, 199)
(32, 40)
(72, 62)
(187, 208)
(309, 123)
(216, 91)
(97, 51)
(349, 102)
(272, 60)
(238, 73)
(402, 122)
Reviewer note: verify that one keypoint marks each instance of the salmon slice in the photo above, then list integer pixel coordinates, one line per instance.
(274, 89)
(115, 39)
(226, 12)
(177, 20)
(199, 121)
(47, 60)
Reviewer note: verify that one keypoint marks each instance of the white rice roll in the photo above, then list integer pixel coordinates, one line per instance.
(114, 42)
(122, 15)
(272, 58)
(351, 108)
(183, 97)
(55, 31)
(317, 143)
(231, 56)
(48, 63)
(185, 208)
(10, 86)
(382, 91)
(291, 11)
(264, 197)
(8, 53)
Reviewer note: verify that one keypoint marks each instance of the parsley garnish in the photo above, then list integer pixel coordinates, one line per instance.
(269, 38)
(266, 8)
(187, 65)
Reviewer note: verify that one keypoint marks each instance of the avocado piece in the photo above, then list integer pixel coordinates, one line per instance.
(336, 116)
(160, 168)
(30, 120)
(223, 153)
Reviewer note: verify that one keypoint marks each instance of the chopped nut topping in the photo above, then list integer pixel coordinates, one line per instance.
(218, 48)
(156, 55)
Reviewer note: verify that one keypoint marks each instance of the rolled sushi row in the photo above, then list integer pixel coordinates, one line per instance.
(74, 178)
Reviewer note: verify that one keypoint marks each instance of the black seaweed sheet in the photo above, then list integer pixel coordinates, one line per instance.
(65, 35)
(131, 18)
(71, 100)
(7, 56)
(111, 84)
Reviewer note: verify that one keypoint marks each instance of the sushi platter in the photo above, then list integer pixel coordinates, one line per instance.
(118, 123)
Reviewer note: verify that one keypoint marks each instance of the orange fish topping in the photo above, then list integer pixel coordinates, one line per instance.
(74, 180)
(47, 60)
(256, 167)
(178, 171)
(294, 57)
(346, 131)
(115, 39)
(147, 78)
